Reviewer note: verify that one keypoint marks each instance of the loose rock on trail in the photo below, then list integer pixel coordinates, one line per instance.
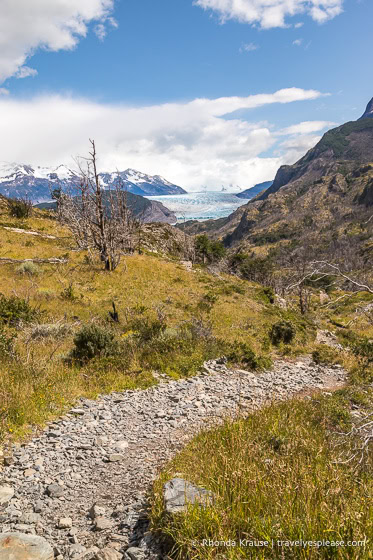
(81, 484)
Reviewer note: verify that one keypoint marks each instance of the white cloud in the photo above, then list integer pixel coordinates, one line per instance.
(26, 72)
(297, 146)
(26, 25)
(188, 143)
(298, 42)
(298, 25)
(248, 47)
(4, 91)
(272, 13)
(306, 127)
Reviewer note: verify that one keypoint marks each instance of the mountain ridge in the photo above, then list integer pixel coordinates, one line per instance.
(35, 183)
(255, 190)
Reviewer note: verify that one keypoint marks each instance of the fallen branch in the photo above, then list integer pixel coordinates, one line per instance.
(52, 260)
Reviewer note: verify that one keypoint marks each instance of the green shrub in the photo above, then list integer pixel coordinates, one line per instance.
(241, 353)
(206, 249)
(93, 341)
(20, 208)
(68, 293)
(323, 354)
(363, 350)
(282, 331)
(207, 302)
(29, 268)
(15, 310)
(268, 295)
(253, 268)
(146, 329)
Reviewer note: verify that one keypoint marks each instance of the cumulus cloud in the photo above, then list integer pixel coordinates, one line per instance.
(272, 13)
(26, 25)
(298, 42)
(189, 143)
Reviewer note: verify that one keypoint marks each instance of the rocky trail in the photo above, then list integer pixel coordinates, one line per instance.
(81, 485)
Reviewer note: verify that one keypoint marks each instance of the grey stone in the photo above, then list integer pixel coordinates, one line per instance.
(135, 553)
(38, 506)
(108, 554)
(178, 493)
(29, 472)
(97, 510)
(17, 546)
(6, 494)
(65, 523)
(54, 490)
(30, 518)
(115, 458)
(102, 523)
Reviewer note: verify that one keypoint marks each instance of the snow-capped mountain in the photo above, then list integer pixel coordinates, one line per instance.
(36, 183)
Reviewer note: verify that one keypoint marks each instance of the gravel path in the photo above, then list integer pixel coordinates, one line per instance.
(105, 453)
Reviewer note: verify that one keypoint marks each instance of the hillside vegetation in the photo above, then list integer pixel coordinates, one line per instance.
(59, 339)
(71, 329)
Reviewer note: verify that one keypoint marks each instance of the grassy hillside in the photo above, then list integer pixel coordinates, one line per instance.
(274, 474)
(170, 320)
(281, 476)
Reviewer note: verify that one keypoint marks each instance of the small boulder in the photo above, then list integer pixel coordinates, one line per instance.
(135, 553)
(6, 494)
(65, 523)
(97, 510)
(178, 493)
(17, 546)
(54, 491)
(108, 553)
(102, 523)
(115, 458)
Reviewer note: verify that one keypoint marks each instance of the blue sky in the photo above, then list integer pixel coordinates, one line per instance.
(157, 58)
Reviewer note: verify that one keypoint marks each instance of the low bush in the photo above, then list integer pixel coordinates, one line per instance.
(28, 268)
(20, 207)
(282, 331)
(324, 355)
(15, 310)
(93, 341)
(241, 353)
(207, 250)
(49, 330)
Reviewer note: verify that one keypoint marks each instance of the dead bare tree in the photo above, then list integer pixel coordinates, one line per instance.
(99, 220)
(361, 437)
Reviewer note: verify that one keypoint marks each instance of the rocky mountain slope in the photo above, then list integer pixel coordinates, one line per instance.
(143, 209)
(35, 183)
(324, 200)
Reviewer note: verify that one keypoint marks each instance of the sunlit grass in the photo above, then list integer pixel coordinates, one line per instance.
(275, 476)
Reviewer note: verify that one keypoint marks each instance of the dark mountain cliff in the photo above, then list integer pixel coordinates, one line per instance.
(368, 114)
